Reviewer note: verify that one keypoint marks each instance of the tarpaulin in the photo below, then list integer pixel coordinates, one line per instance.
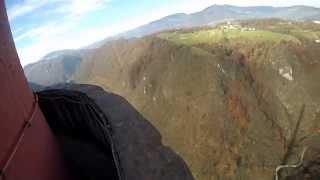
(84, 133)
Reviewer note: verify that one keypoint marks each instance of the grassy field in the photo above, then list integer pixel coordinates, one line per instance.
(235, 35)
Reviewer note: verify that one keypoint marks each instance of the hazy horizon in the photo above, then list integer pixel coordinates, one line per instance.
(42, 26)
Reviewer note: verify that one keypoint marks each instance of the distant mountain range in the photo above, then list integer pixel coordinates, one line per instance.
(56, 67)
(217, 14)
(65, 64)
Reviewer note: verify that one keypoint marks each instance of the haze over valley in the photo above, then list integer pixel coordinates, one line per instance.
(232, 90)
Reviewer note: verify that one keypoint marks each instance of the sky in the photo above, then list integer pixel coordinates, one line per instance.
(42, 26)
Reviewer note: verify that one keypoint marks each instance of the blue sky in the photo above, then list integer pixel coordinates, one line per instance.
(42, 26)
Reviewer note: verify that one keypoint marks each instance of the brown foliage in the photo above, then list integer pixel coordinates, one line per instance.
(239, 111)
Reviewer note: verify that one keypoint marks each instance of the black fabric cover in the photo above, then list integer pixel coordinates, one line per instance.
(84, 133)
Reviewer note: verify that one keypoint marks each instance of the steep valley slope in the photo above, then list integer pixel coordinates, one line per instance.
(56, 67)
(234, 101)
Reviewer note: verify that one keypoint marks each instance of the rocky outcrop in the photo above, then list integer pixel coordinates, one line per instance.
(231, 110)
